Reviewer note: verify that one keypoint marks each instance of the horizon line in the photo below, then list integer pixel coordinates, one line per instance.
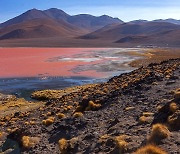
(169, 18)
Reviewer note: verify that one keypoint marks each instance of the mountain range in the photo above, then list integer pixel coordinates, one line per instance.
(54, 27)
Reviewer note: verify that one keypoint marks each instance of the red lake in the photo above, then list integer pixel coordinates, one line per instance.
(28, 69)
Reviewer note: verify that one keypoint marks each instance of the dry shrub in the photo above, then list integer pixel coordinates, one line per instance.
(147, 114)
(48, 121)
(14, 119)
(69, 107)
(61, 115)
(92, 106)
(142, 119)
(146, 117)
(173, 107)
(48, 114)
(32, 122)
(129, 108)
(158, 132)
(26, 123)
(1, 135)
(73, 142)
(65, 109)
(77, 114)
(63, 145)
(29, 142)
(150, 149)
(177, 94)
(174, 120)
(11, 130)
(159, 107)
(2, 123)
(121, 143)
(104, 138)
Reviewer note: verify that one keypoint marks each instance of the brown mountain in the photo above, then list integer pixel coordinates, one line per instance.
(91, 22)
(85, 21)
(56, 14)
(167, 38)
(51, 23)
(54, 27)
(114, 32)
(29, 15)
(40, 28)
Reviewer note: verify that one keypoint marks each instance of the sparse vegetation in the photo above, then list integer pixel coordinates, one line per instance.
(63, 145)
(177, 94)
(48, 121)
(48, 114)
(121, 143)
(73, 142)
(150, 149)
(173, 107)
(1, 135)
(147, 114)
(174, 120)
(77, 114)
(92, 106)
(118, 113)
(61, 115)
(104, 137)
(14, 105)
(129, 108)
(29, 142)
(143, 119)
(146, 117)
(158, 132)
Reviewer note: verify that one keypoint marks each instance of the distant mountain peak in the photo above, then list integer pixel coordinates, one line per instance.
(34, 10)
(169, 20)
(56, 14)
(55, 10)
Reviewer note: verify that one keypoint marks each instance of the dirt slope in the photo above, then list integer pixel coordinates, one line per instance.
(112, 117)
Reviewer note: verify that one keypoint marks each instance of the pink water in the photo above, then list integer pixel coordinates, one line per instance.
(32, 62)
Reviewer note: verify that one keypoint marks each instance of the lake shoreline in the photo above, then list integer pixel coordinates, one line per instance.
(24, 86)
(88, 66)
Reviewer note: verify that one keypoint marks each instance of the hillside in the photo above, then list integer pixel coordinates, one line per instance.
(89, 22)
(119, 116)
(26, 16)
(143, 33)
(40, 28)
(114, 32)
(166, 38)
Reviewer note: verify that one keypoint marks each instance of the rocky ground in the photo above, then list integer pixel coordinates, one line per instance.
(122, 115)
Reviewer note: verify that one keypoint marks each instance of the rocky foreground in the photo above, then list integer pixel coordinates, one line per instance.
(136, 112)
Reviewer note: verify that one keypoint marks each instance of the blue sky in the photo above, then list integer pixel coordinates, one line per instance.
(124, 9)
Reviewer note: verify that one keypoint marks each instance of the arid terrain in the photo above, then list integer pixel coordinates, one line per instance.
(128, 112)
(135, 112)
